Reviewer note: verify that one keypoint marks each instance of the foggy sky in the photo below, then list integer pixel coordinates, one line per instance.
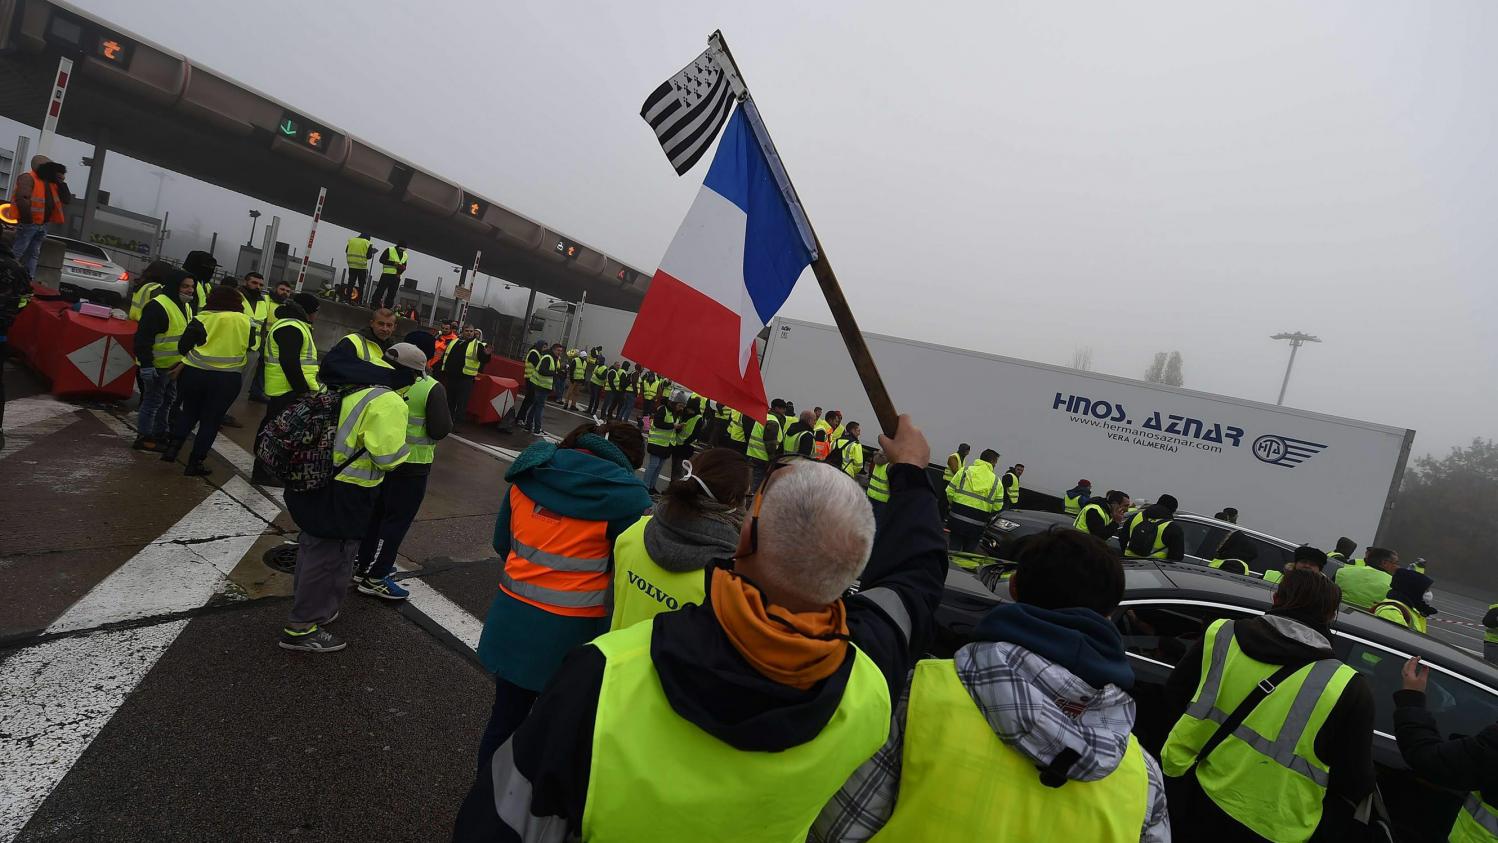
(1022, 179)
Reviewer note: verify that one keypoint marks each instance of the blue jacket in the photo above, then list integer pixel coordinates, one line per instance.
(525, 644)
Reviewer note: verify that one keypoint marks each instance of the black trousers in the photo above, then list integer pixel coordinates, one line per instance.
(385, 290)
(401, 493)
(206, 396)
(459, 388)
(357, 279)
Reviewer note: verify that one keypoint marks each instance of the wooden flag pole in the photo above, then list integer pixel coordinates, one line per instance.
(842, 314)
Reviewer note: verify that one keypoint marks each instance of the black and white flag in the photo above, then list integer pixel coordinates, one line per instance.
(689, 109)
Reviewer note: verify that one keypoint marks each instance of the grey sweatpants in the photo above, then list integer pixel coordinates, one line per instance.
(324, 568)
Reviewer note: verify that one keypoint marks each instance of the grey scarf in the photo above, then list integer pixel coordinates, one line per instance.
(681, 540)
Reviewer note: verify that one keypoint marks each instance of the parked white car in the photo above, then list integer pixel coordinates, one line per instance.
(88, 272)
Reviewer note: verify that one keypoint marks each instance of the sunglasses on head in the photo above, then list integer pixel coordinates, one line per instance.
(759, 499)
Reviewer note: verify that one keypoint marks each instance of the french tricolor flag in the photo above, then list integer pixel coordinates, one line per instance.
(730, 267)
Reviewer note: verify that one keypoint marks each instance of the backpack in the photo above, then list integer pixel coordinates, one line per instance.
(1142, 540)
(297, 445)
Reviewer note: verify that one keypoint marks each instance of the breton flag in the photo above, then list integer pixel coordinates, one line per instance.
(688, 109)
(730, 267)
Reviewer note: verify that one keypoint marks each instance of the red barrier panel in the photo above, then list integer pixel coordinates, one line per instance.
(504, 367)
(81, 355)
(492, 398)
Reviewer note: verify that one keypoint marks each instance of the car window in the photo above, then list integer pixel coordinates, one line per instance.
(1270, 556)
(75, 247)
(1201, 539)
(1165, 630)
(1460, 707)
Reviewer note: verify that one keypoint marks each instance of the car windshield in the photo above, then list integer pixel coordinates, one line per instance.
(77, 248)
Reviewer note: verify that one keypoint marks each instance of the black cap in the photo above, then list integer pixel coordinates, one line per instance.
(307, 302)
(1169, 502)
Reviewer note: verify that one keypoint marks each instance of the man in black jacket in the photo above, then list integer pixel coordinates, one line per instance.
(1103, 517)
(1295, 632)
(287, 349)
(775, 685)
(460, 386)
(1465, 763)
(158, 395)
(1154, 533)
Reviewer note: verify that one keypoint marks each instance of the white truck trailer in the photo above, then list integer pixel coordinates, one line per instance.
(1302, 476)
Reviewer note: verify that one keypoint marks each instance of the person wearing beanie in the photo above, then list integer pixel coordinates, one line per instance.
(1077, 497)
(1154, 534)
(1306, 558)
(428, 422)
(290, 366)
(1408, 602)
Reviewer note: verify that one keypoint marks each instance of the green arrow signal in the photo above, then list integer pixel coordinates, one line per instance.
(288, 128)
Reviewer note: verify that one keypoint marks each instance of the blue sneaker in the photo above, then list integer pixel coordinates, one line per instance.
(385, 588)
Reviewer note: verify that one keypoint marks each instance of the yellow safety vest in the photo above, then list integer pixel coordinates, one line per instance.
(227, 345)
(1158, 549)
(1266, 774)
(960, 782)
(664, 435)
(1396, 611)
(756, 449)
(259, 314)
(1081, 522)
(368, 350)
(357, 253)
(138, 300)
(535, 377)
(1363, 585)
(1476, 822)
(879, 483)
(579, 368)
(164, 353)
(947, 472)
(643, 589)
(654, 776)
(393, 254)
(276, 383)
(736, 426)
(470, 357)
(974, 489)
(1011, 493)
(651, 388)
(852, 457)
(203, 288)
(423, 446)
(1072, 504)
(375, 418)
(532, 357)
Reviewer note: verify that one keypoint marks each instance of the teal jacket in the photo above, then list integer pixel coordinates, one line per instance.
(525, 644)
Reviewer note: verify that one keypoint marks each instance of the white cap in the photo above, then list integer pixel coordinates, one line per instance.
(406, 355)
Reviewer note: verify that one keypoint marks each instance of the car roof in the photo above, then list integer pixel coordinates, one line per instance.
(1146, 579)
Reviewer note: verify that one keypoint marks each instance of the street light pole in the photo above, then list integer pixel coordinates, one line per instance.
(1297, 339)
(254, 218)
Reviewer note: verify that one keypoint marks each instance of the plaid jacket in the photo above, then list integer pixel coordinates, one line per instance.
(1018, 693)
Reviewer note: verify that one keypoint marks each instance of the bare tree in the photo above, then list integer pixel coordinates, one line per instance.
(1165, 369)
(1156, 371)
(1081, 359)
(1173, 375)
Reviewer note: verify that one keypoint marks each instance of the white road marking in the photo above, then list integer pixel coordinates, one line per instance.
(449, 615)
(494, 451)
(183, 568)
(58, 696)
(30, 419)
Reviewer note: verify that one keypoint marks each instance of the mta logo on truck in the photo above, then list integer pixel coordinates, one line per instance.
(1284, 451)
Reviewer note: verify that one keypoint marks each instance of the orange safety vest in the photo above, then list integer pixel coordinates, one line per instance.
(442, 342)
(39, 213)
(557, 563)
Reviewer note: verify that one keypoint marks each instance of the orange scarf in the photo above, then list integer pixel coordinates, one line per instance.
(799, 652)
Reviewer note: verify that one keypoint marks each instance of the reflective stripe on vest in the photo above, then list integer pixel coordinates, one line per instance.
(643, 589)
(356, 252)
(145, 293)
(1396, 611)
(654, 775)
(393, 254)
(227, 344)
(1279, 800)
(1081, 522)
(423, 446)
(368, 469)
(1476, 822)
(368, 350)
(164, 354)
(851, 457)
(535, 377)
(579, 368)
(276, 382)
(556, 562)
(259, 314)
(664, 435)
(944, 798)
(820, 448)
(38, 210)
(736, 427)
(972, 494)
(879, 483)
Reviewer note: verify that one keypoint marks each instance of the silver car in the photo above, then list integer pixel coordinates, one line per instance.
(88, 272)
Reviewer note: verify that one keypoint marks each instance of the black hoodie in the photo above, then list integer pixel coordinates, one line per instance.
(289, 345)
(153, 319)
(1345, 742)
(709, 684)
